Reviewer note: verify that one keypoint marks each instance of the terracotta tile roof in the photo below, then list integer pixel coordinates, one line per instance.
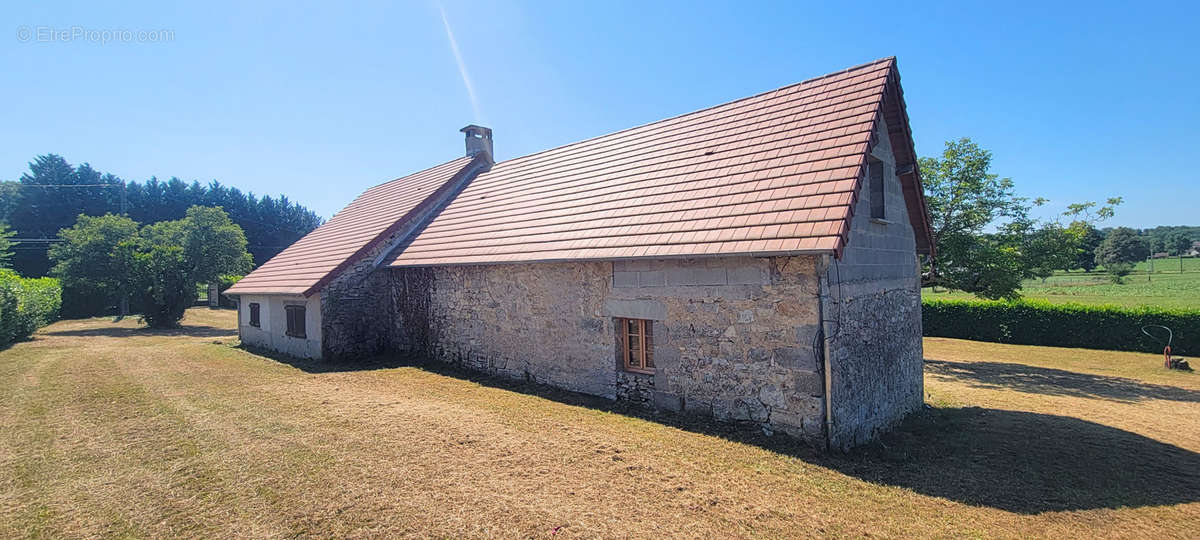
(769, 174)
(303, 267)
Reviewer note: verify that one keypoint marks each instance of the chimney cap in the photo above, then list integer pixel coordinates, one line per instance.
(473, 129)
(479, 141)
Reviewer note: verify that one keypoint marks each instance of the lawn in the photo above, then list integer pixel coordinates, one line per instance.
(108, 430)
(1166, 287)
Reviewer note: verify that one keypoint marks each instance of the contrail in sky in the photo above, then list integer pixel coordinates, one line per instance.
(462, 66)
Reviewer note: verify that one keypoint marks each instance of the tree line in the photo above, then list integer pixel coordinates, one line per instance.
(53, 194)
(1172, 240)
(35, 209)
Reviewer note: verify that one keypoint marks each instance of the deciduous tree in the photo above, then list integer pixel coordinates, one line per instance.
(95, 256)
(1087, 239)
(1178, 243)
(1121, 249)
(174, 257)
(964, 197)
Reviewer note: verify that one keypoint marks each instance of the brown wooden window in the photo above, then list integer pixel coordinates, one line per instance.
(635, 342)
(254, 314)
(295, 321)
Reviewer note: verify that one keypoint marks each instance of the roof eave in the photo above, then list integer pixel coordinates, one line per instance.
(910, 170)
(756, 254)
(266, 292)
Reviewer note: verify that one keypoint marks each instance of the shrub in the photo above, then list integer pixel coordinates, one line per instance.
(1030, 322)
(26, 305)
(223, 284)
(168, 291)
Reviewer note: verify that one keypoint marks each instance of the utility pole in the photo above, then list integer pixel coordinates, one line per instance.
(124, 309)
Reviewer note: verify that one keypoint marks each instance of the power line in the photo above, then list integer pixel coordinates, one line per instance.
(122, 185)
(21, 184)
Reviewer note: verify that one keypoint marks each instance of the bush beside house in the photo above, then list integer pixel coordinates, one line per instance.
(26, 304)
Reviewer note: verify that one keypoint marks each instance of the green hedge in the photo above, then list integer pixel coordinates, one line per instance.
(1028, 322)
(26, 305)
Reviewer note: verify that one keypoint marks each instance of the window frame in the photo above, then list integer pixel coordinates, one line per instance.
(255, 309)
(295, 315)
(641, 358)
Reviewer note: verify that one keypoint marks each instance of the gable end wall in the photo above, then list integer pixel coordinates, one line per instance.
(356, 312)
(874, 297)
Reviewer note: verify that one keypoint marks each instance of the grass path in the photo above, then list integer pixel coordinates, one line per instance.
(106, 430)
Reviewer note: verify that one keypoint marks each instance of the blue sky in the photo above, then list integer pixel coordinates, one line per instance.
(1077, 101)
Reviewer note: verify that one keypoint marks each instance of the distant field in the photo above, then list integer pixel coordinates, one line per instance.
(1166, 287)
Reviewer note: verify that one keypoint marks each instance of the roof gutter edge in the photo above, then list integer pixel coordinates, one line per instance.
(261, 293)
(755, 254)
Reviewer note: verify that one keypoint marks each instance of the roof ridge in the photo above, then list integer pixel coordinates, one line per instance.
(747, 98)
(426, 169)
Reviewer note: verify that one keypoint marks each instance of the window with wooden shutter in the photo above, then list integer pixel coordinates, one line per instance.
(254, 314)
(295, 321)
(635, 342)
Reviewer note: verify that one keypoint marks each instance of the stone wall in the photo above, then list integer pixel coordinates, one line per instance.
(355, 313)
(357, 310)
(539, 322)
(637, 388)
(874, 297)
(733, 337)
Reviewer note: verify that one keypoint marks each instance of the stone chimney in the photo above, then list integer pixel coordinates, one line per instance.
(479, 139)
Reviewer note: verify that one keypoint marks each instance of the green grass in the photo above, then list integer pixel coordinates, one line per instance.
(107, 430)
(1166, 287)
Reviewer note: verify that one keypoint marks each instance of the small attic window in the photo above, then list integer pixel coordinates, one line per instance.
(875, 185)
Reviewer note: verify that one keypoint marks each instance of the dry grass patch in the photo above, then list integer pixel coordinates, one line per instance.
(106, 429)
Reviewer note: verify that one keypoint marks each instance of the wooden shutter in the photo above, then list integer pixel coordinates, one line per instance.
(295, 321)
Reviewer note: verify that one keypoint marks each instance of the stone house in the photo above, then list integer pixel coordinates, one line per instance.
(755, 261)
